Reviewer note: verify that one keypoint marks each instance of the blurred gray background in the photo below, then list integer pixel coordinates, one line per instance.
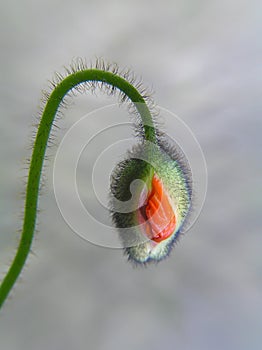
(203, 60)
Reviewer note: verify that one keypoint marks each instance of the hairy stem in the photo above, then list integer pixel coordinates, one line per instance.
(38, 155)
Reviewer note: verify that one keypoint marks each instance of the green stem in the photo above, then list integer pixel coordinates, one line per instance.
(38, 155)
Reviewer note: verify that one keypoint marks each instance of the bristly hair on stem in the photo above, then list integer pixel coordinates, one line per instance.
(77, 78)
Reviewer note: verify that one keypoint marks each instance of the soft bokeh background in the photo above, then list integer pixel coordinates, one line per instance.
(203, 59)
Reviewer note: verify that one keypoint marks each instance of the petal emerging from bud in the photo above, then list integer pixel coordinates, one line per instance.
(157, 213)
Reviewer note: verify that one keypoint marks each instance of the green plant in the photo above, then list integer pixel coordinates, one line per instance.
(161, 200)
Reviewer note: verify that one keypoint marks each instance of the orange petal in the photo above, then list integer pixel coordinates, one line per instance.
(159, 212)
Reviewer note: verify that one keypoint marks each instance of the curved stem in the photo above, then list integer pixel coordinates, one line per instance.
(39, 149)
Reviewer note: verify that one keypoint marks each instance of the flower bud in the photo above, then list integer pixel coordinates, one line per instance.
(151, 198)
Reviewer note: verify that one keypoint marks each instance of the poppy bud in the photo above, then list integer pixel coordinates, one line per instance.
(151, 198)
